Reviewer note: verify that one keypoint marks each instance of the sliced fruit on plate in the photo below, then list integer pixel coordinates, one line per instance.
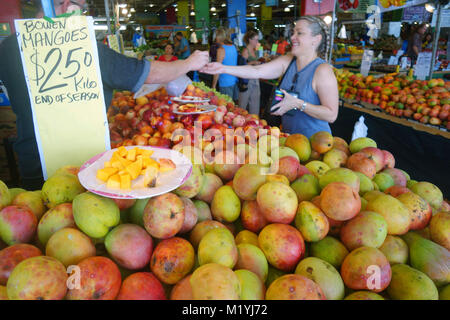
(166, 165)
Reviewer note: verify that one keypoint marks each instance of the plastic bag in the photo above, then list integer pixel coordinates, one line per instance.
(146, 89)
(360, 130)
(178, 86)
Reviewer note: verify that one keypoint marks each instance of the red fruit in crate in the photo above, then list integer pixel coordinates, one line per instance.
(187, 121)
(205, 120)
(164, 126)
(147, 115)
(164, 143)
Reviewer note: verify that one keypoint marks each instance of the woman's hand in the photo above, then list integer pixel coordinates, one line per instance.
(289, 102)
(213, 68)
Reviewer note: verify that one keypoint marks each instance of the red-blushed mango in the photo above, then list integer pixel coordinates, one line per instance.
(172, 260)
(31, 200)
(389, 160)
(248, 179)
(395, 191)
(367, 229)
(211, 183)
(246, 236)
(277, 178)
(371, 195)
(394, 212)
(201, 229)
(11, 256)
(164, 216)
(420, 211)
(226, 164)
(130, 246)
(306, 187)
(364, 295)
(311, 222)
(440, 229)
(300, 144)
(395, 250)
(69, 169)
(302, 170)
(324, 274)
(124, 204)
(330, 250)
(283, 246)
(294, 287)
(251, 216)
(277, 202)
(288, 166)
(100, 279)
(321, 141)
(190, 215)
(182, 290)
(339, 201)
(397, 175)
(252, 287)
(366, 268)
(362, 163)
(70, 246)
(14, 192)
(214, 281)
(252, 258)
(17, 224)
(218, 246)
(376, 155)
(38, 278)
(55, 219)
(141, 286)
(3, 293)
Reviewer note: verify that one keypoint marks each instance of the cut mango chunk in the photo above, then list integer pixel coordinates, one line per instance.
(125, 162)
(166, 165)
(107, 164)
(147, 179)
(125, 181)
(134, 169)
(131, 155)
(113, 182)
(144, 152)
(118, 165)
(105, 173)
(149, 162)
(122, 151)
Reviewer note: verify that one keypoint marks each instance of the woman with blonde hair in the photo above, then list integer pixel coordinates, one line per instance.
(227, 55)
(309, 85)
(251, 96)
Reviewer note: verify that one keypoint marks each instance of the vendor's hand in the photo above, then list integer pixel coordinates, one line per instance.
(288, 103)
(213, 68)
(198, 60)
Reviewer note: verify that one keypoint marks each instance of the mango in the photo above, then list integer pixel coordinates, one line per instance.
(225, 206)
(329, 249)
(365, 184)
(5, 195)
(340, 175)
(395, 249)
(246, 236)
(15, 191)
(191, 187)
(218, 246)
(252, 258)
(364, 295)
(94, 214)
(214, 281)
(300, 144)
(410, 284)
(361, 143)
(32, 200)
(136, 212)
(311, 222)
(429, 192)
(394, 212)
(294, 287)
(252, 287)
(440, 229)
(306, 187)
(248, 179)
(61, 188)
(203, 210)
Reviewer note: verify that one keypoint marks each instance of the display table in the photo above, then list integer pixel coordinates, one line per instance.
(420, 150)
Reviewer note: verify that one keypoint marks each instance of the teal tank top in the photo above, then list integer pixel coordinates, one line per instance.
(231, 56)
(300, 82)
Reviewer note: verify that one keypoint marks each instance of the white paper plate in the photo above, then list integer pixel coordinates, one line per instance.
(208, 108)
(184, 100)
(165, 182)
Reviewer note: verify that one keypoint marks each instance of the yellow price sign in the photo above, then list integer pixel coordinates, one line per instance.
(61, 67)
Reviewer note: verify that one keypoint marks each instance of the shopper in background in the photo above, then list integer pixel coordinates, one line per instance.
(427, 41)
(213, 50)
(168, 54)
(251, 96)
(183, 50)
(310, 88)
(415, 41)
(117, 72)
(282, 45)
(227, 55)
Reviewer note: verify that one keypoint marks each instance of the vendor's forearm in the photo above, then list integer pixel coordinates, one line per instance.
(245, 72)
(319, 112)
(214, 82)
(163, 72)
